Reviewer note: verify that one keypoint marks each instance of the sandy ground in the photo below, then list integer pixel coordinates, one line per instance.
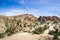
(22, 36)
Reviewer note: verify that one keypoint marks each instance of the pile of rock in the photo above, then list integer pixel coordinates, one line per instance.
(44, 18)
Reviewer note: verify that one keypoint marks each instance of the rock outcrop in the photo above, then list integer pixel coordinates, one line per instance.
(44, 18)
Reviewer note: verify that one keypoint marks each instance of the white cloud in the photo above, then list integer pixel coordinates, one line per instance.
(12, 12)
(33, 11)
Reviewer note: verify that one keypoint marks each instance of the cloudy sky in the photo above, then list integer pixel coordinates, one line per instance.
(35, 7)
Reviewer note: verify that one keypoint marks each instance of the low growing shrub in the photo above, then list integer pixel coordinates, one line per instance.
(39, 30)
(2, 35)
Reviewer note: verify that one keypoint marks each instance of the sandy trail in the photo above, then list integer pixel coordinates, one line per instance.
(22, 36)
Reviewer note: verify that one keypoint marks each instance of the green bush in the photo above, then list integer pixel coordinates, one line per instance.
(39, 30)
(55, 34)
(10, 31)
(2, 35)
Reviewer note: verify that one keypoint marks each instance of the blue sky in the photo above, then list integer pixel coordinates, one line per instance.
(35, 7)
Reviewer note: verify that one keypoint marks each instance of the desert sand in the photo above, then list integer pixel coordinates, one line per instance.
(22, 36)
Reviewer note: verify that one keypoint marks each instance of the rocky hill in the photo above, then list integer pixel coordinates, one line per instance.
(28, 23)
(20, 23)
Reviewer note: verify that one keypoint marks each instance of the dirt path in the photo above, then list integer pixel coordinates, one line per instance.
(22, 36)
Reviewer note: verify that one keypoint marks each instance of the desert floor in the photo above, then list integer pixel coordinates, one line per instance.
(22, 36)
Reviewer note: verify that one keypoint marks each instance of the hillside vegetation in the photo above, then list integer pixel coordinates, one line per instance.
(28, 23)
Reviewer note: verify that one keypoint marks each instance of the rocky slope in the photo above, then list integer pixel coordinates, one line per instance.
(20, 23)
(28, 23)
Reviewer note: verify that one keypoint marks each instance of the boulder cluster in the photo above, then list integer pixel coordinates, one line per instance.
(44, 18)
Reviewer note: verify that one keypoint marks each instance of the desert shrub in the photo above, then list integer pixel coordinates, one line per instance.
(10, 31)
(39, 30)
(2, 35)
(55, 34)
(2, 31)
(42, 22)
(51, 32)
(59, 33)
(10, 24)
